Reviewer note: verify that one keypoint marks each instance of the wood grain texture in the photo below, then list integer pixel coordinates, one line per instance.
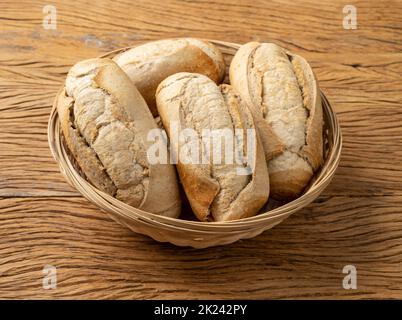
(357, 220)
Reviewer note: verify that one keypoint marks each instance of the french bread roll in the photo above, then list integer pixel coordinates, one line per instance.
(282, 93)
(105, 123)
(216, 191)
(147, 65)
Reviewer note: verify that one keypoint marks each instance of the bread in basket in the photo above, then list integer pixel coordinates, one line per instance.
(199, 234)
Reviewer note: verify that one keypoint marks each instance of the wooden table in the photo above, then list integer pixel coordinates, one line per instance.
(356, 221)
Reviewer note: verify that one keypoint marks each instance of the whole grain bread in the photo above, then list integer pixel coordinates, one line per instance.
(216, 191)
(147, 65)
(105, 123)
(282, 93)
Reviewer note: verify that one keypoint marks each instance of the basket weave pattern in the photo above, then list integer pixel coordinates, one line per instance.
(195, 233)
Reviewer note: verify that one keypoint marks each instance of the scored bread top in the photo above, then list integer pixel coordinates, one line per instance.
(282, 93)
(105, 122)
(147, 65)
(281, 99)
(215, 191)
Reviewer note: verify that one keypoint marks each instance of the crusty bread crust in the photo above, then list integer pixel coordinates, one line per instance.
(313, 149)
(215, 191)
(291, 182)
(251, 92)
(292, 141)
(105, 122)
(147, 65)
(252, 198)
(83, 154)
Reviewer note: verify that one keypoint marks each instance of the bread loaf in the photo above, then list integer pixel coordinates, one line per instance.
(105, 123)
(283, 96)
(216, 191)
(147, 65)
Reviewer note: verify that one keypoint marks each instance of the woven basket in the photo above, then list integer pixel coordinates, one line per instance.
(195, 233)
